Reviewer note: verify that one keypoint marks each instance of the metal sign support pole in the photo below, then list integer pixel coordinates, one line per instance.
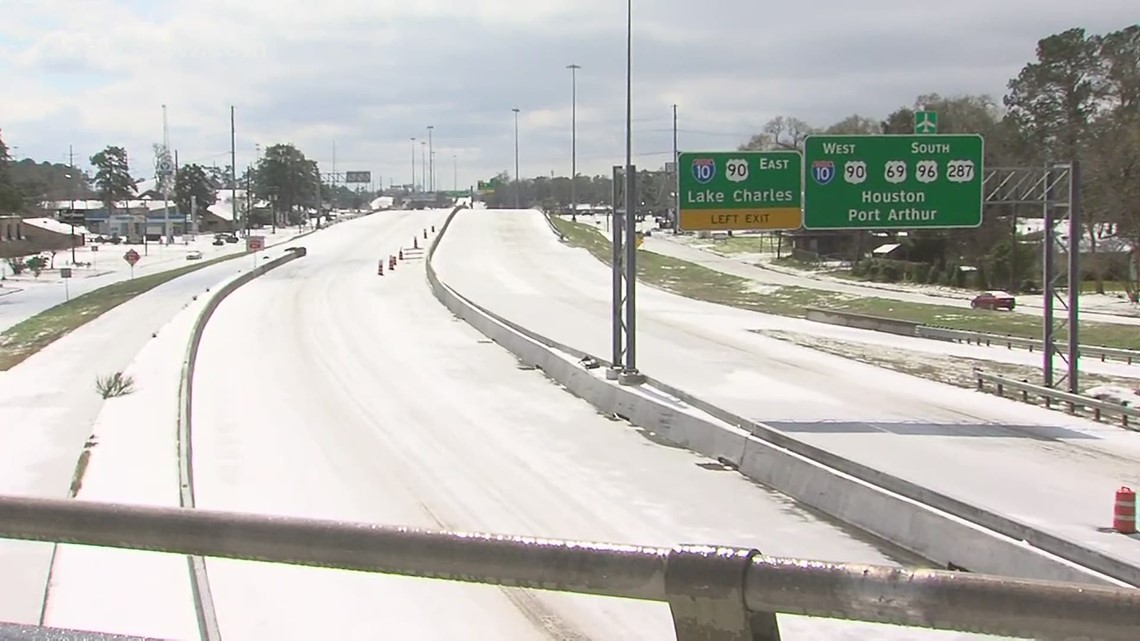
(1055, 189)
(617, 257)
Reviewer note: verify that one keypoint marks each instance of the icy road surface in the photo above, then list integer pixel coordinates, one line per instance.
(1043, 467)
(325, 390)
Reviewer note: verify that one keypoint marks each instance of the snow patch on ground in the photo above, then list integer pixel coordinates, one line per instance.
(1116, 394)
(761, 288)
(134, 460)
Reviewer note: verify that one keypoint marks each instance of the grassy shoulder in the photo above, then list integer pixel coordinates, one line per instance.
(699, 282)
(27, 337)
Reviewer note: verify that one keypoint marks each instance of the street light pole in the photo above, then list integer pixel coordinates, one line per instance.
(518, 186)
(423, 164)
(573, 140)
(630, 374)
(413, 164)
(454, 172)
(431, 161)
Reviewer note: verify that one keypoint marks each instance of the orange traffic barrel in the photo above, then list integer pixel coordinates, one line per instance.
(1124, 515)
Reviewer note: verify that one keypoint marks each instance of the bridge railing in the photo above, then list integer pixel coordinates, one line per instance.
(715, 593)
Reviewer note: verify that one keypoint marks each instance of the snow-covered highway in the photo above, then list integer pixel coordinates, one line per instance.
(328, 391)
(1039, 466)
(48, 405)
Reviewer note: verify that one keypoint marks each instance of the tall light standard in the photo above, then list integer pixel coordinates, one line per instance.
(413, 164)
(454, 172)
(518, 202)
(431, 161)
(573, 140)
(629, 372)
(423, 164)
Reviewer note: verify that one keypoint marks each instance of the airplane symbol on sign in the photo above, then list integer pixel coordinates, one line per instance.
(925, 122)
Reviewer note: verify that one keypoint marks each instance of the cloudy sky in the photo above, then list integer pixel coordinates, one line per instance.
(365, 76)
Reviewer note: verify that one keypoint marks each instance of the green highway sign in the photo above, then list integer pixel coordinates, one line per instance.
(739, 190)
(926, 122)
(893, 182)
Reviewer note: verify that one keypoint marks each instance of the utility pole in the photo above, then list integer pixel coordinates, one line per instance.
(676, 178)
(233, 174)
(71, 192)
(574, 141)
(431, 161)
(164, 179)
(320, 201)
(518, 185)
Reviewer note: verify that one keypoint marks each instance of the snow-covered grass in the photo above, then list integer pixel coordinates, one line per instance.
(131, 457)
(760, 251)
(100, 260)
(703, 283)
(28, 337)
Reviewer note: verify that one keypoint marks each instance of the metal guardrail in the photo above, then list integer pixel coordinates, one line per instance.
(550, 223)
(714, 593)
(1030, 393)
(1032, 344)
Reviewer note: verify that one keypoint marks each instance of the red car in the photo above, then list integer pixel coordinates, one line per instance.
(993, 300)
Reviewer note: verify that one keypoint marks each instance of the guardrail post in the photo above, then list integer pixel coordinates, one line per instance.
(704, 586)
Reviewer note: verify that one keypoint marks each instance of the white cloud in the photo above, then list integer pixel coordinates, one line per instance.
(370, 74)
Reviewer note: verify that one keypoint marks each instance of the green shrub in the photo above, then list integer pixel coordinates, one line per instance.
(920, 273)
